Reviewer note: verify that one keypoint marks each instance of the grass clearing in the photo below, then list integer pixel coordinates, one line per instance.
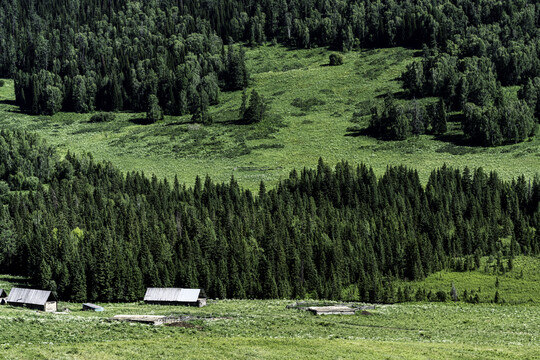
(310, 111)
(520, 285)
(249, 329)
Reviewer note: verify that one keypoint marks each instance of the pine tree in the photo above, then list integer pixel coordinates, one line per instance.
(153, 110)
(256, 109)
(439, 118)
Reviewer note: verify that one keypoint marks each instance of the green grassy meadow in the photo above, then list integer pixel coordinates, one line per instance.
(311, 106)
(520, 285)
(248, 329)
(267, 329)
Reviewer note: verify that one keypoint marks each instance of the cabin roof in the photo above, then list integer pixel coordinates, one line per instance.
(173, 294)
(30, 296)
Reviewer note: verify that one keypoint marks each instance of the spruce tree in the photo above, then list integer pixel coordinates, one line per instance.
(256, 110)
(153, 110)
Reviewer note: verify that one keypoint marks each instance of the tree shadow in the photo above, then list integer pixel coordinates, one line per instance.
(239, 122)
(455, 139)
(141, 121)
(400, 95)
(17, 109)
(8, 102)
(15, 281)
(456, 118)
(356, 131)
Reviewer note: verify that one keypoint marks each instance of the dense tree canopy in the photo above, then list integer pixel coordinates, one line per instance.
(110, 55)
(90, 232)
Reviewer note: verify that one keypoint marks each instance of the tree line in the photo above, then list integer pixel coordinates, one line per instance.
(114, 55)
(89, 232)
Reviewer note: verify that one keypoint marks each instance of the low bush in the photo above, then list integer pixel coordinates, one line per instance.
(102, 117)
(336, 59)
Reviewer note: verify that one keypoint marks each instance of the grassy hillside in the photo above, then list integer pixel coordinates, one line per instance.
(520, 285)
(310, 110)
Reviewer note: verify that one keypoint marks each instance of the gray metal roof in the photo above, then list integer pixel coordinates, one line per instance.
(92, 306)
(173, 294)
(29, 296)
(3, 293)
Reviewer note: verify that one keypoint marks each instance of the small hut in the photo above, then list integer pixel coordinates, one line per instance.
(175, 296)
(43, 300)
(91, 307)
(3, 297)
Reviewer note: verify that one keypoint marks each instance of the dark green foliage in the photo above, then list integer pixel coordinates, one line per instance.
(235, 75)
(255, 111)
(513, 121)
(114, 59)
(439, 118)
(153, 111)
(530, 93)
(441, 296)
(393, 122)
(94, 233)
(113, 56)
(243, 105)
(496, 298)
(2, 83)
(102, 117)
(336, 59)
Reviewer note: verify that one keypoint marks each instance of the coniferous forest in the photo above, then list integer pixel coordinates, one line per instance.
(373, 161)
(89, 232)
(170, 56)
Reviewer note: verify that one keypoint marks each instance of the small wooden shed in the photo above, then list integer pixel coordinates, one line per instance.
(3, 297)
(43, 300)
(175, 296)
(92, 307)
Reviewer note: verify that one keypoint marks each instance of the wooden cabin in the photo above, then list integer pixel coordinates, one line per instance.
(3, 297)
(92, 307)
(175, 296)
(43, 300)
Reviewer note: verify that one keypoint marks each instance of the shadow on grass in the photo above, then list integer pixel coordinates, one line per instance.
(455, 139)
(356, 131)
(178, 123)
(8, 102)
(238, 122)
(400, 95)
(15, 281)
(17, 109)
(141, 121)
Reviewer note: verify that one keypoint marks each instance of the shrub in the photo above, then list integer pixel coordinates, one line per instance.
(441, 296)
(2, 83)
(102, 117)
(336, 59)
